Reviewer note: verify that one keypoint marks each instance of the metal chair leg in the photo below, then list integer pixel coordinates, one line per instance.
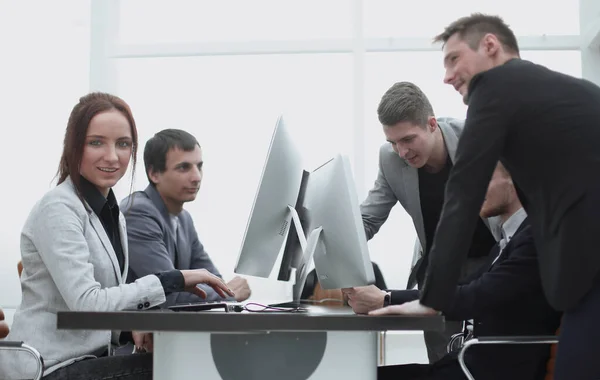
(381, 344)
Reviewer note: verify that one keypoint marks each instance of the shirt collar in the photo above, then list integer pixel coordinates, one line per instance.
(94, 197)
(512, 224)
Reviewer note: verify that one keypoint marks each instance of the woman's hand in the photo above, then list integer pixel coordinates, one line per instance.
(193, 277)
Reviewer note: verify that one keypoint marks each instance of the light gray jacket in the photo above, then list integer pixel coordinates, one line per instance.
(399, 182)
(69, 265)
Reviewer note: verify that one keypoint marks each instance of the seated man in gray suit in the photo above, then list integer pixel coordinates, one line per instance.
(413, 170)
(161, 234)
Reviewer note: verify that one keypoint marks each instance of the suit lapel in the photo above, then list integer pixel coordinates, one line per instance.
(184, 251)
(99, 228)
(123, 235)
(450, 139)
(158, 202)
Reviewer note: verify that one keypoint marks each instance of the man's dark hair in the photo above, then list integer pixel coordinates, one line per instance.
(404, 101)
(473, 28)
(156, 149)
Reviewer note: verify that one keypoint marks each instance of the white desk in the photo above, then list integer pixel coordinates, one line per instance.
(324, 344)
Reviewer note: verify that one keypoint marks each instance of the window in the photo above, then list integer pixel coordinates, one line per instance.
(181, 21)
(427, 18)
(45, 69)
(231, 104)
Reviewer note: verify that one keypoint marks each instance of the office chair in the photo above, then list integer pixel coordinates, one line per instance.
(20, 346)
(553, 339)
(465, 339)
(458, 340)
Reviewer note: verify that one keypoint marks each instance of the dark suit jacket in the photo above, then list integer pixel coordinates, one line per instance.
(507, 300)
(153, 246)
(544, 127)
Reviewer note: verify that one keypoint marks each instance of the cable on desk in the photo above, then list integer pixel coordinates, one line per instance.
(264, 308)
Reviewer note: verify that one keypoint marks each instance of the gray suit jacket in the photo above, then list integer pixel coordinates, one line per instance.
(69, 265)
(154, 246)
(399, 182)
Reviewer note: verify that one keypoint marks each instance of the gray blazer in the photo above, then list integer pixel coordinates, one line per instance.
(399, 182)
(154, 246)
(69, 265)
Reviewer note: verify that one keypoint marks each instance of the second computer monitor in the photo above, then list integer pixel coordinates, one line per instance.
(341, 255)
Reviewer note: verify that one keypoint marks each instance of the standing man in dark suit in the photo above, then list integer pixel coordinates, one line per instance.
(505, 300)
(545, 128)
(414, 165)
(160, 233)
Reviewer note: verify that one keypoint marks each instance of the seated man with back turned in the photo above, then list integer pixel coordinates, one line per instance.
(161, 234)
(505, 300)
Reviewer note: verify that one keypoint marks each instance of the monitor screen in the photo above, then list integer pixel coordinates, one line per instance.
(341, 254)
(270, 217)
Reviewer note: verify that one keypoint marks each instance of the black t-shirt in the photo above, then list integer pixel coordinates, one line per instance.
(431, 190)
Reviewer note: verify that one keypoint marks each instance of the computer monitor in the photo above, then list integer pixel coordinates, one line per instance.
(335, 237)
(271, 213)
(336, 231)
(293, 251)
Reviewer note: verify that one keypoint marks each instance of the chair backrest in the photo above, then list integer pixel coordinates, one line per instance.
(330, 297)
(551, 360)
(312, 289)
(3, 326)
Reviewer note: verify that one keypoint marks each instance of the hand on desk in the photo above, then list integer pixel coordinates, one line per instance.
(193, 277)
(364, 299)
(239, 286)
(143, 341)
(407, 308)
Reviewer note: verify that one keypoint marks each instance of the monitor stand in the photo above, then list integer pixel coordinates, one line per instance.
(309, 247)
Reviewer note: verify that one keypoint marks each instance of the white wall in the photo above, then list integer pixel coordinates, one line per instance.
(43, 71)
(590, 33)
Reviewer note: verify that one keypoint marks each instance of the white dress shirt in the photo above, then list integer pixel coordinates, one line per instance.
(509, 228)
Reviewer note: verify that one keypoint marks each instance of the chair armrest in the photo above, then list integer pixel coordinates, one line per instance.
(20, 346)
(532, 339)
(10, 344)
(540, 339)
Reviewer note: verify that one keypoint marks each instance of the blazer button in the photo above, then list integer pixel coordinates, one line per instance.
(147, 304)
(140, 306)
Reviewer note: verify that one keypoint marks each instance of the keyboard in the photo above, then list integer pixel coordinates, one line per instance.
(207, 306)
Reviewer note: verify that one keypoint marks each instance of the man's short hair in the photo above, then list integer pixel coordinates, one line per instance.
(404, 101)
(473, 28)
(156, 149)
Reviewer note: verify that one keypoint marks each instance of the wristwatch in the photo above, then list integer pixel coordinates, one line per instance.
(387, 299)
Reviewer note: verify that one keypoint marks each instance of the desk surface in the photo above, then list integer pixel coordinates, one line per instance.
(319, 318)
